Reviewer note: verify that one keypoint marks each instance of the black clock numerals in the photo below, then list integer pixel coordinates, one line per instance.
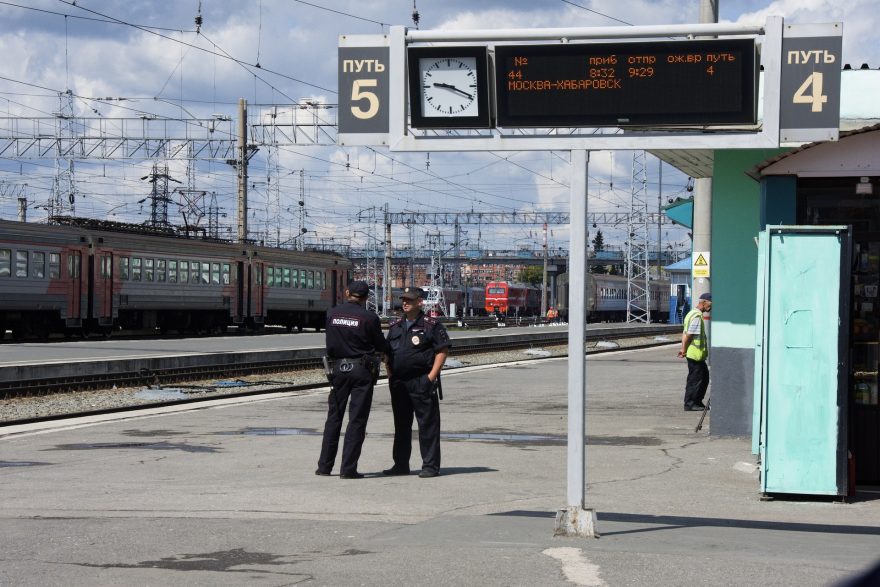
(449, 86)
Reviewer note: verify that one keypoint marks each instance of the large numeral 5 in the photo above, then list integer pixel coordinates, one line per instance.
(371, 97)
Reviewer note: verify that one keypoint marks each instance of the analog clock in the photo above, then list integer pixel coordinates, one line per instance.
(448, 87)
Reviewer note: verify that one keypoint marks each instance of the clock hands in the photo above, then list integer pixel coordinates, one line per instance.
(453, 88)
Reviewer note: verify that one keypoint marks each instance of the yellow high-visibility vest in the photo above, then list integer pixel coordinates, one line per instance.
(698, 350)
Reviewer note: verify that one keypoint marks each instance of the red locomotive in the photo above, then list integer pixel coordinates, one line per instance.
(512, 299)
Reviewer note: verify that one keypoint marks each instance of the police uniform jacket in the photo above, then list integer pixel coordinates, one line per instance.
(413, 350)
(352, 332)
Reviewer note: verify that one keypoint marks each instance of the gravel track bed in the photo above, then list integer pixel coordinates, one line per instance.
(107, 399)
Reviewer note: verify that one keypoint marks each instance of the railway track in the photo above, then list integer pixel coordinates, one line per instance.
(301, 360)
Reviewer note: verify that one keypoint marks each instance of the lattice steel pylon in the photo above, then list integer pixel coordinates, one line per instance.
(192, 200)
(159, 196)
(638, 294)
(372, 268)
(435, 300)
(213, 218)
(64, 182)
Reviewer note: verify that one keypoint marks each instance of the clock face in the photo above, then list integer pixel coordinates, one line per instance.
(449, 86)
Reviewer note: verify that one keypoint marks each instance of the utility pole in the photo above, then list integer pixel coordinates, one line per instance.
(300, 244)
(659, 228)
(412, 264)
(386, 278)
(544, 277)
(242, 165)
(702, 229)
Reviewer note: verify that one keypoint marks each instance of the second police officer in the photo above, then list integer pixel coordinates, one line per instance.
(417, 348)
(354, 337)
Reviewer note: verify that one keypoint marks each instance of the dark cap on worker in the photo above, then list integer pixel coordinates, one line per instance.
(706, 296)
(412, 293)
(358, 289)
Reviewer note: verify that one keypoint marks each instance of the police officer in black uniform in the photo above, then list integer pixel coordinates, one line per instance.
(354, 337)
(417, 348)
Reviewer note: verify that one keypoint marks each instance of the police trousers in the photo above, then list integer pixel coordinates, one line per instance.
(416, 397)
(356, 385)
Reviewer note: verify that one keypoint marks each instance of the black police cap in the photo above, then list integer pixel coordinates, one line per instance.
(412, 293)
(358, 289)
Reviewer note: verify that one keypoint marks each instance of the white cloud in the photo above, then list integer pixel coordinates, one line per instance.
(300, 42)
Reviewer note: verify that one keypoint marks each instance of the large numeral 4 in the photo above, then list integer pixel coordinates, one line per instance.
(816, 98)
(371, 97)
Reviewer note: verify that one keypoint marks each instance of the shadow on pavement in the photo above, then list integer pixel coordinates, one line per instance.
(671, 522)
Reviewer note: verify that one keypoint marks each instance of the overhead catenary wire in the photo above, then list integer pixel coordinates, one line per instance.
(412, 188)
(223, 53)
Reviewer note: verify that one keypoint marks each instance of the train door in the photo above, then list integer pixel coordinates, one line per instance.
(104, 289)
(240, 283)
(257, 291)
(74, 285)
(334, 291)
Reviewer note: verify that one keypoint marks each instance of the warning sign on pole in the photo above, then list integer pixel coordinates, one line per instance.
(700, 265)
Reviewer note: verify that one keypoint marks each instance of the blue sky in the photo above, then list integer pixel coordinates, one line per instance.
(110, 48)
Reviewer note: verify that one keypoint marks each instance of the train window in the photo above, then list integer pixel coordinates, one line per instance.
(73, 264)
(123, 267)
(270, 276)
(148, 270)
(106, 266)
(21, 263)
(215, 273)
(206, 273)
(172, 271)
(195, 269)
(302, 278)
(311, 279)
(227, 273)
(160, 270)
(496, 290)
(294, 277)
(322, 283)
(38, 265)
(54, 265)
(184, 272)
(135, 268)
(5, 262)
(258, 269)
(286, 274)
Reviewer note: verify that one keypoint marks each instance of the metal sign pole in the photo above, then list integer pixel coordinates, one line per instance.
(575, 519)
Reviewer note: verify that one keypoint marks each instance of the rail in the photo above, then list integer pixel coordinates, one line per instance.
(24, 381)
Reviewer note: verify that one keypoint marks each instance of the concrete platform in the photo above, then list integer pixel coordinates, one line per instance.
(226, 495)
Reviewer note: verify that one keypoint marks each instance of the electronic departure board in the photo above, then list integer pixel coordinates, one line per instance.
(660, 83)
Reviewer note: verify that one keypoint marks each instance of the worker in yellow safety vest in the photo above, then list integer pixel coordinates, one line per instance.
(695, 348)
